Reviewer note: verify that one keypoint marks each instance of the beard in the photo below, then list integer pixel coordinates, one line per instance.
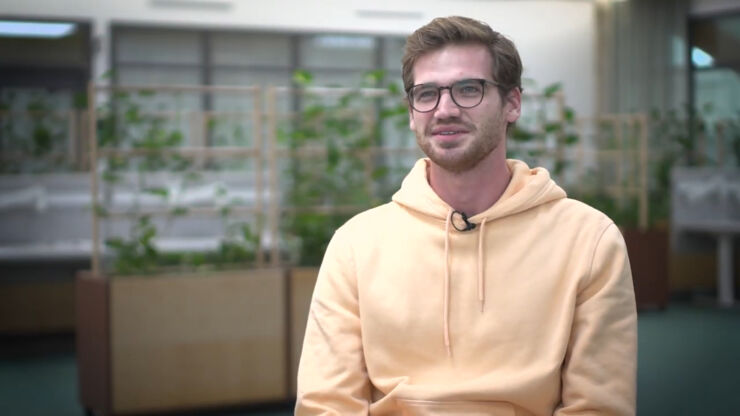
(464, 154)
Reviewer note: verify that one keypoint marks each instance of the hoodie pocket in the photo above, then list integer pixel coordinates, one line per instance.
(412, 407)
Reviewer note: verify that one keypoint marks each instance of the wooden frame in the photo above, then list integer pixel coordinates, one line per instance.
(191, 152)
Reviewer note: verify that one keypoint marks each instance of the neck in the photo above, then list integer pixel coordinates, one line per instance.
(475, 190)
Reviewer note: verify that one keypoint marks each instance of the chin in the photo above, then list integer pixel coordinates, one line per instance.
(457, 161)
(453, 164)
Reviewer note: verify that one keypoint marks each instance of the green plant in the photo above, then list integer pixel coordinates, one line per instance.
(345, 173)
(127, 123)
(33, 131)
(543, 135)
(137, 254)
(673, 138)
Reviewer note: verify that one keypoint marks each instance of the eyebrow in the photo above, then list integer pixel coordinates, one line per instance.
(453, 82)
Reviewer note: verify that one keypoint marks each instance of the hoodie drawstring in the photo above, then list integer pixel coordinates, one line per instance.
(446, 294)
(481, 291)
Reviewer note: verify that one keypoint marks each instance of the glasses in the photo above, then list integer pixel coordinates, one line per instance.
(466, 93)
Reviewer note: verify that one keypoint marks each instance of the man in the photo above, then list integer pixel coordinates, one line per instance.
(480, 289)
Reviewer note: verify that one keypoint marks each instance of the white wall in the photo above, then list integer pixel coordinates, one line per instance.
(556, 39)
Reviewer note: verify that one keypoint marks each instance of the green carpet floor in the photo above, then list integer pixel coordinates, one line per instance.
(688, 364)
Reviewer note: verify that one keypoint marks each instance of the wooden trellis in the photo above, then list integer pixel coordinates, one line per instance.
(190, 152)
(628, 153)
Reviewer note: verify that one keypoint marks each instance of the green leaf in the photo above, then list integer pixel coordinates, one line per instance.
(132, 114)
(551, 90)
(148, 234)
(374, 77)
(100, 210)
(174, 138)
(570, 114)
(346, 99)
(560, 165)
(313, 111)
(571, 139)
(380, 172)
(552, 127)
(36, 105)
(302, 77)
(193, 176)
(159, 191)
(115, 243)
(42, 140)
(247, 233)
(535, 153)
(80, 100)
(521, 135)
(179, 211)
(332, 155)
(111, 177)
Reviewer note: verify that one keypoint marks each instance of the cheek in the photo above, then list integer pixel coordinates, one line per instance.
(418, 121)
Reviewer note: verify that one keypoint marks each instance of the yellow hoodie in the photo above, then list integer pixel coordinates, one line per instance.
(530, 313)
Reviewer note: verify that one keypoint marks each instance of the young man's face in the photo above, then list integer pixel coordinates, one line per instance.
(456, 138)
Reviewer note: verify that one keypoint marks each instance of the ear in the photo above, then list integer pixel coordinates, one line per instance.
(513, 105)
(412, 125)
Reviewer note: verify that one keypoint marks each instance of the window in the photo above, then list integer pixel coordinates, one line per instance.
(715, 79)
(44, 68)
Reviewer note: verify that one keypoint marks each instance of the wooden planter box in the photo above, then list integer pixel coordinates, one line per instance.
(187, 342)
(302, 281)
(648, 253)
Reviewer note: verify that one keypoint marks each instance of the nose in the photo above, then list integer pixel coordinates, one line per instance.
(446, 107)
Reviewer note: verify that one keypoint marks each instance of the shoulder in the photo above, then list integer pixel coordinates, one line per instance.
(570, 220)
(371, 221)
(362, 234)
(575, 212)
(595, 226)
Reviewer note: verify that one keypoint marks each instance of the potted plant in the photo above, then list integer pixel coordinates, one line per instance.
(163, 325)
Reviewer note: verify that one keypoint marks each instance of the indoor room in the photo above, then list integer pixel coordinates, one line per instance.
(172, 173)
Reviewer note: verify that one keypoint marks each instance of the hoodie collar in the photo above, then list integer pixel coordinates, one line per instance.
(529, 187)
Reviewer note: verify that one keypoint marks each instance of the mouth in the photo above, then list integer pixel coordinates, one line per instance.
(449, 132)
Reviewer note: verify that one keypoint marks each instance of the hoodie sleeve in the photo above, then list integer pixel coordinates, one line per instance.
(600, 368)
(332, 379)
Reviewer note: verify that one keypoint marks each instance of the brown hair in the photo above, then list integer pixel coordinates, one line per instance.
(443, 31)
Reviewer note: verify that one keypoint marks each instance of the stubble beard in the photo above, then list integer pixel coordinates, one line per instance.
(462, 156)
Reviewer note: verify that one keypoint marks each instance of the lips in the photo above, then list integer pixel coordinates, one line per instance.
(449, 130)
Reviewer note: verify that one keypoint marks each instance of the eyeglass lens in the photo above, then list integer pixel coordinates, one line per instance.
(466, 93)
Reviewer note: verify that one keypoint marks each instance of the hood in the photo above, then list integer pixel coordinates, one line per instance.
(528, 188)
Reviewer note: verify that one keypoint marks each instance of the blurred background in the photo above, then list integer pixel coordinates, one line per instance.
(171, 172)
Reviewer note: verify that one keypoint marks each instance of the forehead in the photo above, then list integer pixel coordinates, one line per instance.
(452, 63)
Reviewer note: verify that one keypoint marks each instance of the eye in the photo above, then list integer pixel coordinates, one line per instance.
(425, 94)
(468, 88)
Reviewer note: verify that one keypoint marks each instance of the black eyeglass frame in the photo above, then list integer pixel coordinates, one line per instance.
(483, 82)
